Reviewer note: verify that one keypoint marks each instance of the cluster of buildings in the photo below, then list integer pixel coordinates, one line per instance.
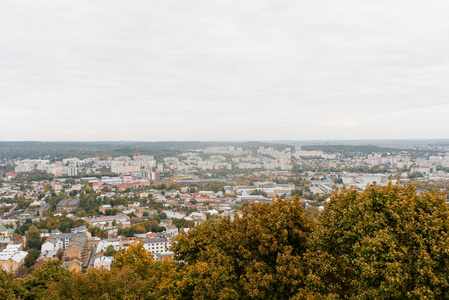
(146, 169)
(79, 250)
(176, 183)
(12, 255)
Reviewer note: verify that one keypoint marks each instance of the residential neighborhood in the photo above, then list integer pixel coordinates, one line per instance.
(87, 209)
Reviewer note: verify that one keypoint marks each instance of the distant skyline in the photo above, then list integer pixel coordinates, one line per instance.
(223, 70)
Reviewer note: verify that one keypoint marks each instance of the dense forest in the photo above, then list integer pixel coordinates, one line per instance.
(381, 243)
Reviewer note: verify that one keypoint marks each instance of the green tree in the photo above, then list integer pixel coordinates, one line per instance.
(30, 259)
(259, 192)
(338, 180)
(415, 175)
(33, 238)
(214, 186)
(110, 251)
(174, 186)
(382, 243)
(163, 216)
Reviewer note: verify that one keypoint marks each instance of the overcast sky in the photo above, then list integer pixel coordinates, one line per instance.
(223, 70)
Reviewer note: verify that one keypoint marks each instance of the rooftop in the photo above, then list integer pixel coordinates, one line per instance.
(68, 202)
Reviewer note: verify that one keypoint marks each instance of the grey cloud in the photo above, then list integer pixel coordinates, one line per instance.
(249, 70)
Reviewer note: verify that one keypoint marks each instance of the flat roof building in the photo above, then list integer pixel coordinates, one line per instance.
(68, 205)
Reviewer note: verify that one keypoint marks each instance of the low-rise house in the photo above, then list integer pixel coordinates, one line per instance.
(73, 245)
(10, 221)
(4, 242)
(68, 205)
(57, 186)
(112, 232)
(103, 208)
(171, 230)
(56, 242)
(97, 185)
(10, 175)
(73, 265)
(12, 257)
(103, 262)
(4, 231)
(198, 216)
(37, 203)
(205, 194)
(120, 207)
(174, 215)
(43, 208)
(81, 230)
(144, 194)
(142, 207)
(109, 221)
(212, 212)
(49, 255)
(129, 211)
(152, 211)
(172, 193)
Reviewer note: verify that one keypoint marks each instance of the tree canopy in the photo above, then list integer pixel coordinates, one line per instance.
(385, 242)
(258, 255)
(380, 243)
(33, 238)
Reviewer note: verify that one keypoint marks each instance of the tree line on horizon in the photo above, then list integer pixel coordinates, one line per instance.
(387, 242)
(104, 149)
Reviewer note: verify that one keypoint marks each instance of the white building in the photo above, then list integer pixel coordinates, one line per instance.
(159, 247)
(103, 262)
(12, 257)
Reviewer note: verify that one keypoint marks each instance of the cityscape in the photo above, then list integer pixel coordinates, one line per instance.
(224, 150)
(85, 209)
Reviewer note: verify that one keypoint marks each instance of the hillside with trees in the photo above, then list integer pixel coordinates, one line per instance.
(381, 243)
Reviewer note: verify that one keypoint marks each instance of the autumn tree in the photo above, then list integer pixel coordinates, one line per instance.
(382, 243)
(140, 276)
(259, 255)
(21, 272)
(7, 285)
(135, 257)
(99, 284)
(36, 285)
